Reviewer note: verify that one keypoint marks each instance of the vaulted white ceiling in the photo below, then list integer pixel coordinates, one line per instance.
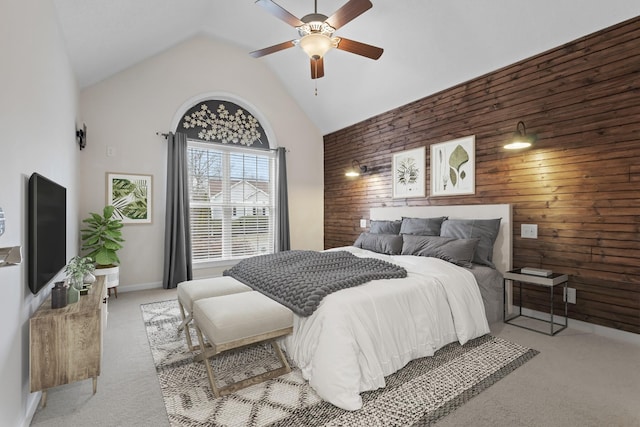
(429, 45)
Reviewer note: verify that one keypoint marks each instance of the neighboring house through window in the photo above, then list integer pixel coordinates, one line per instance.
(232, 184)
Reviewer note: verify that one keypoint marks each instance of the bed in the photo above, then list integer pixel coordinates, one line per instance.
(357, 336)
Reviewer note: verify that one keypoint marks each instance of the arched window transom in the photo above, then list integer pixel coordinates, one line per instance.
(223, 122)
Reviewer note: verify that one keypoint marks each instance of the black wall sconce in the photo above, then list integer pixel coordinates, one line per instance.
(81, 136)
(356, 169)
(520, 139)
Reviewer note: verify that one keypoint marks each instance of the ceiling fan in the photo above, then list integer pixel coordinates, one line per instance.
(316, 33)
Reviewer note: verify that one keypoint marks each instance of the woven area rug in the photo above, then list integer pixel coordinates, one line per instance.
(419, 394)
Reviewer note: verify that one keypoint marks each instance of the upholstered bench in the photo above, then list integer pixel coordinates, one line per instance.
(194, 290)
(238, 320)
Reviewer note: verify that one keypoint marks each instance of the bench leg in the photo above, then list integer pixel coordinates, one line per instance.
(231, 388)
(283, 359)
(207, 365)
(285, 369)
(186, 319)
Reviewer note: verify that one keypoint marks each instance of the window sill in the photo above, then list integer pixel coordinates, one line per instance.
(215, 264)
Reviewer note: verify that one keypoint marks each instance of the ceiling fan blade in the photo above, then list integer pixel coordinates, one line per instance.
(272, 49)
(358, 48)
(351, 10)
(317, 68)
(280, 13)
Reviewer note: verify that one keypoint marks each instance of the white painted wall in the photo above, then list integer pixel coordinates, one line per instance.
(125, 111)
(38, 106)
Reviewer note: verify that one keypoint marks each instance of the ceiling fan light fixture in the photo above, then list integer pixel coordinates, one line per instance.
(316, 45)
(315, 24)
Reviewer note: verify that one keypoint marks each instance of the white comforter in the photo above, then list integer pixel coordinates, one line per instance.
(357, 336)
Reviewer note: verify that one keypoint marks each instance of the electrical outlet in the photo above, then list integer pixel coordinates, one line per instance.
(529, 231)
(363, 223)
(570, 297)
(111, 151)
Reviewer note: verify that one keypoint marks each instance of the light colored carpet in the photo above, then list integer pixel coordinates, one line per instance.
(419, 394)
(578, 379)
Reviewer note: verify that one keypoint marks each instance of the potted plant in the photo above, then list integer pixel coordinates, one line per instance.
(102, 237)
(77, 268)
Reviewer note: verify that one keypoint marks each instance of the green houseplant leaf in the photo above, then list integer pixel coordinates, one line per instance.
(78, 267)
(102, 237)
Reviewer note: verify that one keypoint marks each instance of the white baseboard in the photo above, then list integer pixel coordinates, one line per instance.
(140, 287)
(32, 405)
(579, 325)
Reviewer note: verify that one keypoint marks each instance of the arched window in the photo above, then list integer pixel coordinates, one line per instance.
(232, 182)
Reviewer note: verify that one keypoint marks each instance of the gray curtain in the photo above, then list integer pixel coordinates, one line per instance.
(284, 243)
(177, 234)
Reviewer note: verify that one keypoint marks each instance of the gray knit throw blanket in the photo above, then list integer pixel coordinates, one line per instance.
(300, 279)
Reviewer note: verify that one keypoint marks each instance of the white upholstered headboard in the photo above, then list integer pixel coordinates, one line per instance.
(503, 246)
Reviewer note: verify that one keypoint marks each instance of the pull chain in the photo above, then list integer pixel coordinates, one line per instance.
(315, 81)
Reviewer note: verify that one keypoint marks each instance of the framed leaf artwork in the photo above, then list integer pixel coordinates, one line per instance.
(453, 167)
(409, 173)
(130, 195)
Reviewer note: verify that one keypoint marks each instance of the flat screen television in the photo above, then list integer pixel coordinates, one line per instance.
(47, 231)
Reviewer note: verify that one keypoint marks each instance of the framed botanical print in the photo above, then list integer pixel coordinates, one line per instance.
(453, 167)
(409, 173)
(130, 195)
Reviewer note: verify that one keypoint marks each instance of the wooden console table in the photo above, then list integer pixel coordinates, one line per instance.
(65, 344)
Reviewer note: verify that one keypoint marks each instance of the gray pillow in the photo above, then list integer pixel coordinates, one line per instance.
(456, 251)
(422, 226)
(484, 229)
(390, 244)
(385, 227)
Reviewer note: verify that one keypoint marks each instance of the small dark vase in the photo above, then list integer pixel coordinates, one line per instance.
(59, 295)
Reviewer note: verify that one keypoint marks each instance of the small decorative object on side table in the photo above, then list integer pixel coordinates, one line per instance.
(76, 270)
(548, 281)
(59, 295)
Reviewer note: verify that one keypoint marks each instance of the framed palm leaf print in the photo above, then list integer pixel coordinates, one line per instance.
(130, 195)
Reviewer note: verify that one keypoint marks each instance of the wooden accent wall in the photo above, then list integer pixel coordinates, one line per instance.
(580, 183)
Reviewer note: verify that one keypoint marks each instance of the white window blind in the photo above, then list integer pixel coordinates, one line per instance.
(232, 201)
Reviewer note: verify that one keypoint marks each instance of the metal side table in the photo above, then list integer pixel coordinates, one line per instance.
(550, 282)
